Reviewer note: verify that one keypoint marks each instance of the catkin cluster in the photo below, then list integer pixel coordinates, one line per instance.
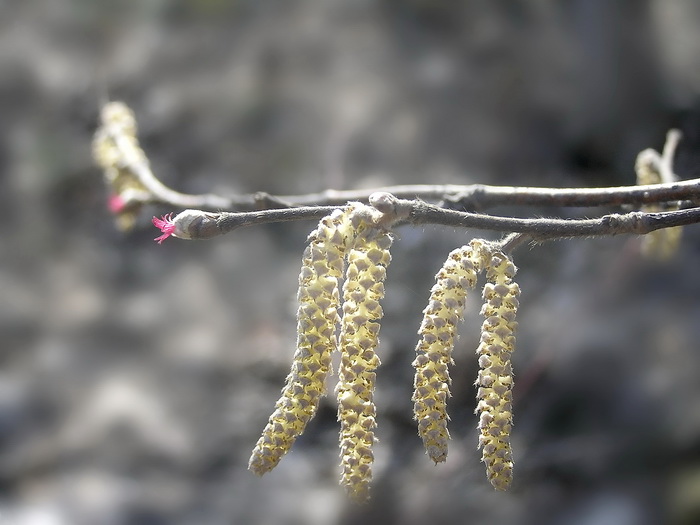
(115, 148)
(438, 333)
(495, 381)
(345, 240)
(341, 285)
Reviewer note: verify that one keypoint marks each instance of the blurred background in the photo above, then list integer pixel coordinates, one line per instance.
(136, 378)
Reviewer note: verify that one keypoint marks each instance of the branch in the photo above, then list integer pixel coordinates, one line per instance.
(482, 196)
(197, 225)
(550, 229)
(454, 196)
(139, 166)
(117, 136)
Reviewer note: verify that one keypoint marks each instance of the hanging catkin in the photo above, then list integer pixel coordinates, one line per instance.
(359, 338)
(495, 381)
(317, 319)
(438, 333)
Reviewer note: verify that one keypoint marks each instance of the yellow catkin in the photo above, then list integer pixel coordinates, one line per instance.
(495, 381)
(438, 333)
(660, 244)
(117, 122)
(317, 320)
(359, 337)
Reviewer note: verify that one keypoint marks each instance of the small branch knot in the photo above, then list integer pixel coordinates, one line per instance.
(638, 222)
(392, 209)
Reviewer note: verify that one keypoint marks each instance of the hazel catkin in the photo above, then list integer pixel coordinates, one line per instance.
(495, 380)
(438, 333)
(363, 289)
(317, 318)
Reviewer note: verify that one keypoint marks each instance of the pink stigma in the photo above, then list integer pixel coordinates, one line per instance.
(166, 225)
(115, 203)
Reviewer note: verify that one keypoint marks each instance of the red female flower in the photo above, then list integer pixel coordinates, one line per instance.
(166, 225)
(116, 203)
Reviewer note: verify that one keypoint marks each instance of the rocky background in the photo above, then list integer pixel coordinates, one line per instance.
(136, 378)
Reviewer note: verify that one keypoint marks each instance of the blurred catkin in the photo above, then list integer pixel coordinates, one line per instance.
(660, 244)
(438, 333)
(495, 380)
(117, 123)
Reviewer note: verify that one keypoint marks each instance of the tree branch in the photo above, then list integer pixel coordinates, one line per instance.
(194, 224)
(471, 197)
(482, 196)
(548, 229)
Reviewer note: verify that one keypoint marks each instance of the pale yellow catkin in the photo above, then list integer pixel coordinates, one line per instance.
(363, 290)
(317, 320)
(495, 381)
(438, 333)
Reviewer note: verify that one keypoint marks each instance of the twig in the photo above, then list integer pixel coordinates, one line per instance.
(547, 229)
(473, 197)
(140, 167)
(466, 197)
(482, 196)
(204, 225)
(510, 242)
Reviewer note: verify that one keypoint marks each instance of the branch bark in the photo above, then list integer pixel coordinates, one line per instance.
(481, 196)
(208, 225)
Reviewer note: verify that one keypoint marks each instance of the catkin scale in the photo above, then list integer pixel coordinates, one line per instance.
(495, 379)
(438, 333)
